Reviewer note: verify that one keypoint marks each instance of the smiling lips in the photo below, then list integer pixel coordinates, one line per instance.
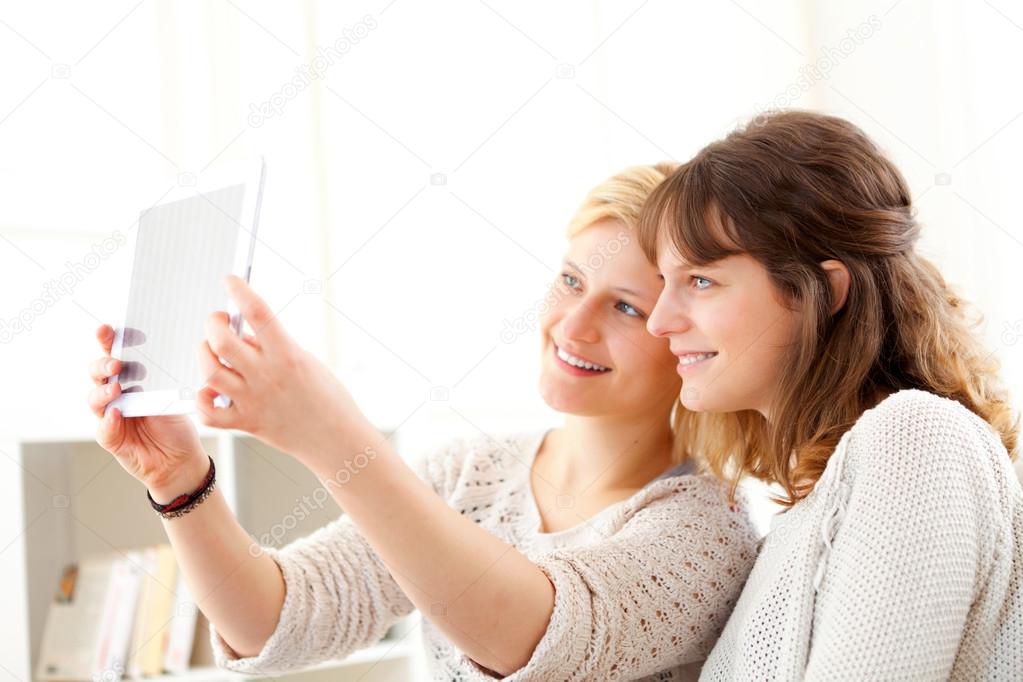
(686, 359)
(579, 363)
(689, 360)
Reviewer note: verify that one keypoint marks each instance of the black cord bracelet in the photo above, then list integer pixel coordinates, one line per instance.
(184, 503)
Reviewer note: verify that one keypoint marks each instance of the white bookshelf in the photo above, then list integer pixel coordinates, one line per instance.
(67, 498)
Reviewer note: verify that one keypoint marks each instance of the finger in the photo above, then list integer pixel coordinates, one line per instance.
(99, 396)
(103, 368)
(228, 345)
(215, 374)
(109, 426)
(265, 325)
(252, 341)
(105, 336)
(218, 417)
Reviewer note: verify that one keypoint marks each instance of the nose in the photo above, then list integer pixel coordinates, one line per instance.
(580, 323)
(667, 317)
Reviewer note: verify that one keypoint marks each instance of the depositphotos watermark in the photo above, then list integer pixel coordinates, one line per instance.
(64, 285)
(527, 321)
(112, 674)
(305, 74)
(1012, 332)
(820, 70)
(314, 502)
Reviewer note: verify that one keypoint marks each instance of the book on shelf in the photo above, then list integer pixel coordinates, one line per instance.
(120, 615)
(181, 631)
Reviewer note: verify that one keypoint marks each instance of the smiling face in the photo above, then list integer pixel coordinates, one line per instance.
(598, 358)
(728, 328)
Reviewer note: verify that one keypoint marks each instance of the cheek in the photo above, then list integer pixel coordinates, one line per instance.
(548, 315)
(759, 331)
(650, 355)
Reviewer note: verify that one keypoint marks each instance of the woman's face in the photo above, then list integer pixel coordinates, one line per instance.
(728, 328)
(598, 358)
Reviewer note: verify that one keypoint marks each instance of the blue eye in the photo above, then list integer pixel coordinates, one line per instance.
(570, 280)
(631, 310)
(699, 280)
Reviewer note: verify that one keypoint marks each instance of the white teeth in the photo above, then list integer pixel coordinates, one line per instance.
(579, 362)
(690, 359)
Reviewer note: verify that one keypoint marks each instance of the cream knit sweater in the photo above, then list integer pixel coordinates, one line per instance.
(904, 563)
(642, 589)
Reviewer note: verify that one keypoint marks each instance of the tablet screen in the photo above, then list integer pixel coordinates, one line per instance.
(183, 251)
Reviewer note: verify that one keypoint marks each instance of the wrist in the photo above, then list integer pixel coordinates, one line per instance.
(184, 480)
(333, 443)
(347, 470)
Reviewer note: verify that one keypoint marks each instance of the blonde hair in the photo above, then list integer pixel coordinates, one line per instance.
(621, 196)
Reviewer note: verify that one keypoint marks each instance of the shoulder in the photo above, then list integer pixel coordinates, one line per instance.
(480, 461)
(691, 489)
(909, 421)
(916, 427)
(692, 506)
(916, 404)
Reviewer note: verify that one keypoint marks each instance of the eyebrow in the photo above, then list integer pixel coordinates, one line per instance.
(624, 290)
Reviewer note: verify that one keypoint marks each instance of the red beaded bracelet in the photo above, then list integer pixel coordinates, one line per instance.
(184, 503)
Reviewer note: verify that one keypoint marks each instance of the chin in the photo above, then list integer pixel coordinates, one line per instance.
(694, 400)
(571, 402)
(702, 400)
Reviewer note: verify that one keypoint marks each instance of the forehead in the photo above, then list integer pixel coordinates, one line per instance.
(610, 239)
(710, 235)
(667, 253)
(669, 260)
(608, 250)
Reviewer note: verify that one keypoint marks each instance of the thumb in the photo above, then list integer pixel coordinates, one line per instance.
(110, 427)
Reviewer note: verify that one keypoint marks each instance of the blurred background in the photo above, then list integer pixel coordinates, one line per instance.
(424, 159)
(418, 187)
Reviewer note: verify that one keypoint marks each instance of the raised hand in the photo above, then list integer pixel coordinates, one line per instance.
(280, 393)
(163, 452)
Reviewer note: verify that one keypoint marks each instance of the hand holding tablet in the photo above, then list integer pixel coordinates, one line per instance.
(163, 452)
(177, 352)
(282, 394)
(185, 246)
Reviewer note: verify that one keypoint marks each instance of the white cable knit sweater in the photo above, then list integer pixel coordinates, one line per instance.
(642, 589)
(904, 563)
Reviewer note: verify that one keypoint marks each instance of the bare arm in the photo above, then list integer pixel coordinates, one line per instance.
(489, 600)
(213, 553)
(269, 609)
(212, 549)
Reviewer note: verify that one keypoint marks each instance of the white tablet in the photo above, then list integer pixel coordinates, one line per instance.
(184, 247)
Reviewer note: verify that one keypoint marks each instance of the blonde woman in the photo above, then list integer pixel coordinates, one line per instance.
(593, 551)
(821, 352)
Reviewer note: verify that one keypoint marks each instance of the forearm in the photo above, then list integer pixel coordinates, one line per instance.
(487, 598)
(290, 400)
(239, 593)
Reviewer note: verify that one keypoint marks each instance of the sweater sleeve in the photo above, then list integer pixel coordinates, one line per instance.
(339, 595)
(912, 540)
(652, 596)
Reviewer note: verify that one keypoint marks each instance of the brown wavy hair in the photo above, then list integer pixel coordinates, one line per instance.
(793, 189)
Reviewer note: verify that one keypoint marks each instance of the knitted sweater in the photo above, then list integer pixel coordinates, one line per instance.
(905, 562)
(642, 589)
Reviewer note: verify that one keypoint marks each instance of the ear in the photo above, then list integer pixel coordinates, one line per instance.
(838, 277)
